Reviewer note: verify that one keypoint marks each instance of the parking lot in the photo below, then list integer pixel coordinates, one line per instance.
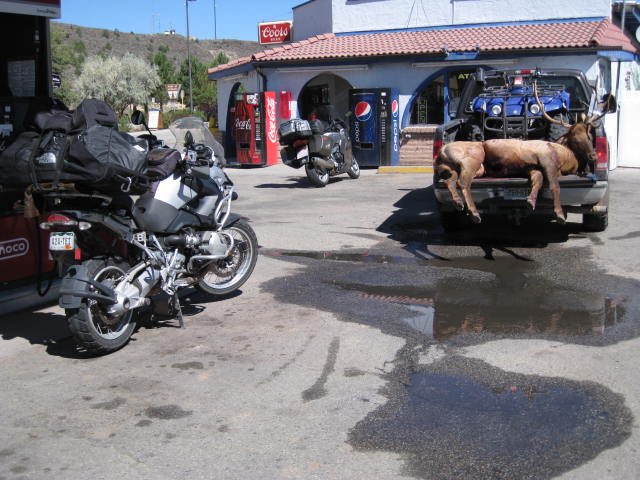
(367, 344)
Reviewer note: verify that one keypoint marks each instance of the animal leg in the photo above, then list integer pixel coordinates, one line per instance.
(554, 186)
(452, 183)
(549, 164)
(536, 184)
(464, 182)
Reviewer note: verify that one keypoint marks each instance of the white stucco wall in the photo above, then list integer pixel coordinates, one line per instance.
(311, 19)
(406, 77)
(339, 16)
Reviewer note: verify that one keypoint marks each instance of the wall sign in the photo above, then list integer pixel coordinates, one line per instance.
(274, 32)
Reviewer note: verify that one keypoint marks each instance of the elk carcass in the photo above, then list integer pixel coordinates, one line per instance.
(458, 163)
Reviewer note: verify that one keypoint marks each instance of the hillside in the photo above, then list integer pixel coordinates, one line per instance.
(98, 41)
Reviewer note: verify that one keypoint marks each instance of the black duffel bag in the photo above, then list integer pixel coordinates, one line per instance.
(107, 159)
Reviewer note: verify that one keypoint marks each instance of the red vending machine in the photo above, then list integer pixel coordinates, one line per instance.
(256, 129)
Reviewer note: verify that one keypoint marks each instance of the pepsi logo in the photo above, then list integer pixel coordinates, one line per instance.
(394, 108)
(363, 111)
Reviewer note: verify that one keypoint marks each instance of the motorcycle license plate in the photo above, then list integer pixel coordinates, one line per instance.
(515, 194)
(303, 152)
(62, 241)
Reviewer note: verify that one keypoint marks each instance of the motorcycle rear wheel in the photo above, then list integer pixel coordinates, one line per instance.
(319, 177)
(224, 276)
(92, 327)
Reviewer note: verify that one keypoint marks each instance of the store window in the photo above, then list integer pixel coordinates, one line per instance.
(438, 97)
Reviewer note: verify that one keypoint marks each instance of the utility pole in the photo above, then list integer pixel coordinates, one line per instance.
(189, 58)
(215, 22)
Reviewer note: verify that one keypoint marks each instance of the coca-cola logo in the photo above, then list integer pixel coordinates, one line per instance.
(274, 32)
(271, 120)
(243, 124)
(15, 247)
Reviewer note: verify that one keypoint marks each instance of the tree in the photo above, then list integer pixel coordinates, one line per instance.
(205, 92)
(118, 81)
(167, 74)
(66, 61)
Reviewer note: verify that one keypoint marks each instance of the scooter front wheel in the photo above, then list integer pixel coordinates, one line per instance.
(319, 177)
(354, 170)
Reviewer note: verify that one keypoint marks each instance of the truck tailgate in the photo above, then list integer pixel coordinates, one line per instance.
(574, 190)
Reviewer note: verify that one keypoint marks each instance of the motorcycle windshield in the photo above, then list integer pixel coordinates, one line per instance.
(199, 132)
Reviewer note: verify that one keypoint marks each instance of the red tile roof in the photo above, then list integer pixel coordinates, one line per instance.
(600, 34)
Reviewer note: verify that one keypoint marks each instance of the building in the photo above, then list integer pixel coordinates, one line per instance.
(425, 51)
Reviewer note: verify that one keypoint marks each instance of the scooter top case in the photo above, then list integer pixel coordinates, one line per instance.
(294, 129)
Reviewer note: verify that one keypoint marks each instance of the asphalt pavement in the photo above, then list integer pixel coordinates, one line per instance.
(367, 344)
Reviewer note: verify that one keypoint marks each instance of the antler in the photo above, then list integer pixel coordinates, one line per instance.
(544, 113)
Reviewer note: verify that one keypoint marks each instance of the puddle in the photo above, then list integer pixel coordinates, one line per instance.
(555, 295)
(456, 308)
(466, 419)
(359, 257)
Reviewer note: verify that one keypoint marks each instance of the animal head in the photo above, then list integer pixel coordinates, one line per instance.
(579, 137)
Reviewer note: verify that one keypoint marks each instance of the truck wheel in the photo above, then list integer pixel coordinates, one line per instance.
(595, 222)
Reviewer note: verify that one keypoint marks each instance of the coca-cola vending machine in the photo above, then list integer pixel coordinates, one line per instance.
(255, 129)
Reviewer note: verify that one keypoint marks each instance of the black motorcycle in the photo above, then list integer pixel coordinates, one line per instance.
(131, 256)
(324, 148)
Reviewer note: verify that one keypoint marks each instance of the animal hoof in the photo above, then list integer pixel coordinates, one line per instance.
(459, 206)
(476, 218)
(532, 205)
(560, 219)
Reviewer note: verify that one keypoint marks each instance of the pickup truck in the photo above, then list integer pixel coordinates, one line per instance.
(501, 104)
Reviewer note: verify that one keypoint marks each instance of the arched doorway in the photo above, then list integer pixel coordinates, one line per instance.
(433, 99)
(325, 90)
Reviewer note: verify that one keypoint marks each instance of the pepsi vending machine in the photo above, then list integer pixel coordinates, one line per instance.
(375, 126)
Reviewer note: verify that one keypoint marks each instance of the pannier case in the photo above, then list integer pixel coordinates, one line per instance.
(293, 130)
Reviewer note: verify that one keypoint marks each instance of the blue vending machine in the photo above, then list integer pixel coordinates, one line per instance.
(375, 126)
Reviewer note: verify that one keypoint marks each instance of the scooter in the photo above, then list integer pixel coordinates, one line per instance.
(323, 148)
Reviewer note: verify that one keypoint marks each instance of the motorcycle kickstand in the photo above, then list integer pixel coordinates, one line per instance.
(176, 304)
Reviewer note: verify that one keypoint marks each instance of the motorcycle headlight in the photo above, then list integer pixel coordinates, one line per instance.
(534, 108)
(496, 110)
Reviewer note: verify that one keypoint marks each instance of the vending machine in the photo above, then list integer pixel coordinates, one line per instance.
(375, 126)
(256, 129)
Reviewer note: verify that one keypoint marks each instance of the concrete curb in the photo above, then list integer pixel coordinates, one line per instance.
(405, 169)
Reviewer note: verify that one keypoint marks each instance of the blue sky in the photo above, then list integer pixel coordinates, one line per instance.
(236, 19)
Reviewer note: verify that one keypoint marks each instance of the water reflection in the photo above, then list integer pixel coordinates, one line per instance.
(447, 313)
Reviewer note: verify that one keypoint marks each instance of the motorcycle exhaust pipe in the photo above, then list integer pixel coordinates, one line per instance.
(323, 163)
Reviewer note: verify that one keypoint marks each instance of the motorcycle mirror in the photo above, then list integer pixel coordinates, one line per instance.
(137, 118)
(188, 139)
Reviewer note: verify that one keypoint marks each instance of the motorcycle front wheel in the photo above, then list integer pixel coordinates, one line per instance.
(354, 170)
(224, 276)
(92, 327)
(319, 177)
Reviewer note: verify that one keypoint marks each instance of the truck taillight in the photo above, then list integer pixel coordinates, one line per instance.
(602, 157)
(437, 145)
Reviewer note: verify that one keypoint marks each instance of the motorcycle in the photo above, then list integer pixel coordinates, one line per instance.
(324, 148)
(134, 256)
